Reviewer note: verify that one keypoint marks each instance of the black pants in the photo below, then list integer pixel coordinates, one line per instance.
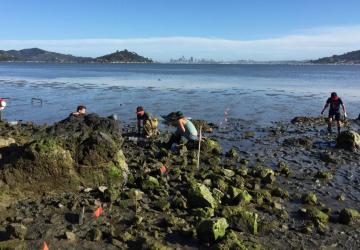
(1, 115)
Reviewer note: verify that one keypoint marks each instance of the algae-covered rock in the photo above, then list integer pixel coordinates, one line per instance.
(150, 243)
(316, 215)
(210, 146)
(212, 230)
(40, 160)
(309, 198)
(232, 154)
(327, 175)
(218, 195)
(150, 183)
(349, 216)
(228, 172)
(239, 195)
(349, 140)
(78, 150)
(284, 169)
(279, 192)
(241, 219)
(204, 213)
(17, 230)
(13, 245)
(233, 241)
(200, 196)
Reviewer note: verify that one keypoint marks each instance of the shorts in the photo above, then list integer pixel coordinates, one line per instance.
(334, 113)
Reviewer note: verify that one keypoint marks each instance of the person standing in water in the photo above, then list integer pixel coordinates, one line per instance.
(2, 107)
(185, 128)
(334, 111)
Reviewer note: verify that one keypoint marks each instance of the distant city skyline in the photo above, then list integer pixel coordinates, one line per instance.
(159, 29)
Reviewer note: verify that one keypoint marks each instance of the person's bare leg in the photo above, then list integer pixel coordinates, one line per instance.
(338, 126)
(329, 124)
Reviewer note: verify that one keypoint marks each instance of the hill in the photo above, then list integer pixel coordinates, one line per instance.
(347, 58)
(124, 56)
(39, 55)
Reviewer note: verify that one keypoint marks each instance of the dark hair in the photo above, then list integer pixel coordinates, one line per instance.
(333, 94)
(139, 109)
(80, 107)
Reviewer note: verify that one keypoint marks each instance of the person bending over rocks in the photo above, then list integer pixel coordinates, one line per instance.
(147, 125)
(334, 111)
(80, 111)
(185, 128)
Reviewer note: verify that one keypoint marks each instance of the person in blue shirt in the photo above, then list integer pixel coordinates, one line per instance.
(185, 128)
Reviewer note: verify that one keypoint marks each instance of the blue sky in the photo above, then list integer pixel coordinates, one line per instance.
(224, 30)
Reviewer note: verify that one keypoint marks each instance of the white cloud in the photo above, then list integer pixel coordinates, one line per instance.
(306, 44)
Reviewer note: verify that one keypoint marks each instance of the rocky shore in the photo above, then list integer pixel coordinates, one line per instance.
(89, 183)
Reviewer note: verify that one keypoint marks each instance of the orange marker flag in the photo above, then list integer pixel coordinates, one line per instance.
(163, 169)
(45, 247)
(98, 212)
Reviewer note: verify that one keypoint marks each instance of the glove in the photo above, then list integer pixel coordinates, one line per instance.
(322, 112)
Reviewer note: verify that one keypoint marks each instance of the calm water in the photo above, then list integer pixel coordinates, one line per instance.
(259, 93)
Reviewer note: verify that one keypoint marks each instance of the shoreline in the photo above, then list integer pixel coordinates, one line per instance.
(289, 176)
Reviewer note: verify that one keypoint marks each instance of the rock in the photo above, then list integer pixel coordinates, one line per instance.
(13, 245)
(349, 216)
(203, 213)
(281, 193)
(210, 146)
(242, 170)
(327, 175)
(135, 194)
(218, 195)
(17, 230)
(305, 142)
(148, 242)
(327, 158)
(349, 140)
(241, 219)
(200, 196)
(211, 230)
(284, 169)
(309, 198)
(233, 241)
(70, 236)
(6, 142)
(150, 183)
(341, 197)
(316, 215)
(228, 172)
(102, 189)
(94, 234)
(308, 120)
(232, 154)
(248, 134)
(84, 150)
(239, 195)
(111, 194)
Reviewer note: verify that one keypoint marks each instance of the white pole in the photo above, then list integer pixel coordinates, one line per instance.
(200, 138)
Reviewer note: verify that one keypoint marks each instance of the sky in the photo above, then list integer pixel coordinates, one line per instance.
(164, 29)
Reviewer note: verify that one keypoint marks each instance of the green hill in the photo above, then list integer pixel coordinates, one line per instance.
(124, 56)
(347, 58)
(39, 55)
